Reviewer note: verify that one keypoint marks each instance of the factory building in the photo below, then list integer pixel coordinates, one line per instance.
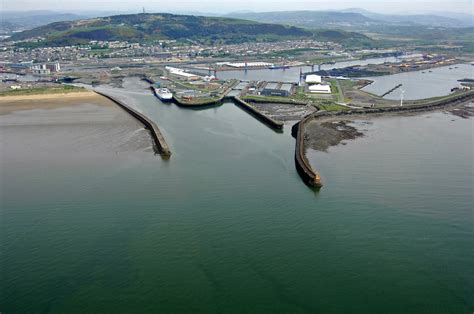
(277, 89)
(45, 68)
(313, 79)
(320, 88)
(180, 74)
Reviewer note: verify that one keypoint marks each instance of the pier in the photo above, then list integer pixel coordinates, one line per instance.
(159, 140)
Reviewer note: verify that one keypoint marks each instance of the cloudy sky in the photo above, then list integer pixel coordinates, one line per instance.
(390, 6)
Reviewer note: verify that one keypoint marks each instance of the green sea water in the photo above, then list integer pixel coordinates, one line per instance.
(227, 226)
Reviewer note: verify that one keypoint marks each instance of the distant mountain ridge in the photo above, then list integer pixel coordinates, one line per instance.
(32, 19)
(434, 19)
(352, 17)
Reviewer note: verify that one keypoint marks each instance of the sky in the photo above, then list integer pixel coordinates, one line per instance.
(222, 6)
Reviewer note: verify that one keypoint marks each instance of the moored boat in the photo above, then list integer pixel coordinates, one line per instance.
(163, 94)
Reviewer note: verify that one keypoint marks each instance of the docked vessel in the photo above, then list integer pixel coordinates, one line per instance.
(163, 94)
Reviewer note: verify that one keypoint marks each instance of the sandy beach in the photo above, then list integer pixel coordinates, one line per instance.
(74, 123)
(9, 104)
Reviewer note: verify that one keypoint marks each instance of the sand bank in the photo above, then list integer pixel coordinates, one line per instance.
(9, 104)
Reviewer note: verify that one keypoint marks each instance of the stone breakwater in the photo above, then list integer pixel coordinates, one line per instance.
(436, 104)
(306, 172)
(159, 140)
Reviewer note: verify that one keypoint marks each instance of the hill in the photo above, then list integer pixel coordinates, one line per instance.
(148, 27)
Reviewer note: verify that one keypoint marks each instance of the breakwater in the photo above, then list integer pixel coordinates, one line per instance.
(306, 172)
(159, 140)
(452, 100)
(274, 124)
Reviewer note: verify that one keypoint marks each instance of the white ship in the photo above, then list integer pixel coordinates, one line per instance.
(163, 94)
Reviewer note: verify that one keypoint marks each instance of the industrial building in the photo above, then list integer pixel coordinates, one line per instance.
(313, 79)
(180, 74)
(277, 89)
(45, 68)
(320, 88)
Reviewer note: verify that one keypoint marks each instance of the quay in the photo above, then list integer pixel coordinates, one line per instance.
(159, 140)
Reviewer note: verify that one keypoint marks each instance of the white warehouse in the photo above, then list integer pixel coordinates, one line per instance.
(313, 79)
(320, 88)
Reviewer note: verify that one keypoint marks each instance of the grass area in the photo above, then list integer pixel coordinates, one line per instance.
(433, 99)
(330, 106)
(61, 89)
(199, 101)
(272, 99)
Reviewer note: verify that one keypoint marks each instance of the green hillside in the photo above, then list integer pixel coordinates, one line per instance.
(149, 27)
(146, 27)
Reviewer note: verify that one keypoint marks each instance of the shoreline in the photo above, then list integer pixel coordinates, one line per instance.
(69, 95)
(11, 104)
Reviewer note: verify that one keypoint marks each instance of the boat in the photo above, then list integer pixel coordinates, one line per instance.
(163, 94)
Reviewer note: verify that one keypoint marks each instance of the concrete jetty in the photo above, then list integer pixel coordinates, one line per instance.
(158, 138)
(274, 124)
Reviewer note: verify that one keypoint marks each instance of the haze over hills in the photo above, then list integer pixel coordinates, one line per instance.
(148, 27)
(416, 29)
(353, 17)
(435, 19)
(14, 21)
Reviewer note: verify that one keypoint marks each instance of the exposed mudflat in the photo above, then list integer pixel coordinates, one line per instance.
(465, 111)
(320, 135)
